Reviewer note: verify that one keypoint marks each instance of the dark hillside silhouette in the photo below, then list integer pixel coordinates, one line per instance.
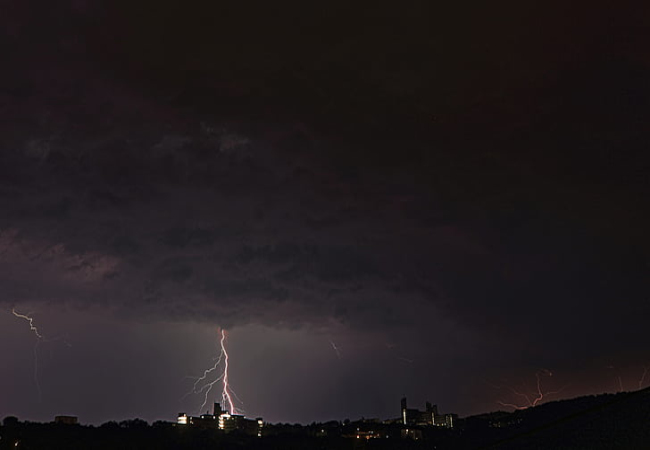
(607, 421)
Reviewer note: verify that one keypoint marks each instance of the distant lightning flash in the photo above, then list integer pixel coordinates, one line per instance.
(336, 349)
(39, 337)
(31, 322)
(202, 385)
(642, 380)
(618, 380)
(528, 400)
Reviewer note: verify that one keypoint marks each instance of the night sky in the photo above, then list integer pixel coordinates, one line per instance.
(435, 199)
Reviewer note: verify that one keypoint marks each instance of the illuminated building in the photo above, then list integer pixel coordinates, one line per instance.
(236, 422)
(203, 421)
(225, 421)
(428, 417)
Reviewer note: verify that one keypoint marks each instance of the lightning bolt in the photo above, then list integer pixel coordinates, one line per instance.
(618, 380)
(225, 393)
(31, 322)
(529, 400)
(39, 337)
(203, 385)
(336, 349)
(642, 380)
(207, 387)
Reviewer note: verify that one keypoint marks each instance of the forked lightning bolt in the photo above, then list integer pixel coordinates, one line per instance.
(207, 387)
(530, 400)
(202, 385)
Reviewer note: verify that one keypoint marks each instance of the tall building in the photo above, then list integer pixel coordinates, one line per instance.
(428, 417)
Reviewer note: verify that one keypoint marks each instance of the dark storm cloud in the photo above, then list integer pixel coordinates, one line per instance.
(155, 233)
(208, 218)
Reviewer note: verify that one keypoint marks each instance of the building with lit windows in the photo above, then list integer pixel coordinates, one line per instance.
(428, 417)
(223, 420)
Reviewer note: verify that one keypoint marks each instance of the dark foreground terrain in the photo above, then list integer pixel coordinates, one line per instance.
(610, 421)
